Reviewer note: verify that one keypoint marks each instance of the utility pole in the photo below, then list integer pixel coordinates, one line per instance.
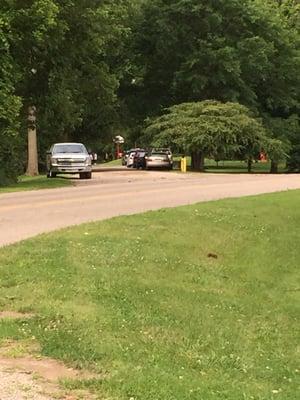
(32, 165)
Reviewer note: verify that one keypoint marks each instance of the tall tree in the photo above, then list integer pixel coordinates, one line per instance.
(10, 106)
(65, 54)
(228, 50)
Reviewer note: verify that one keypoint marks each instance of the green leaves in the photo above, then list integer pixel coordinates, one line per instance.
(93, 66)
(65, 56)
(227, 50)
(216, 129)
(10, 106)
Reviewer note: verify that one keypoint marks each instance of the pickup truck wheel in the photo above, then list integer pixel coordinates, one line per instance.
(51, 174)
(85, 175)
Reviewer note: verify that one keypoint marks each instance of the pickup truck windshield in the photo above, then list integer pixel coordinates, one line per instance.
(69, 148)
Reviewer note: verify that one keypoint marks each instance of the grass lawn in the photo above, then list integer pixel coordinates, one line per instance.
(35, 183)
(198, 302)
(113, 163)
(238, 167)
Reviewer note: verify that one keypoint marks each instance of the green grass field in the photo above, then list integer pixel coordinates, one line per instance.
(198, 302)
(39, 182)
(238, 167)
(113, 163)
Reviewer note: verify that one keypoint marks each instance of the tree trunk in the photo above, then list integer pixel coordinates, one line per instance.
(274, 167)
(65, 137)
(249, 164)
(32, 166)
(197, 162)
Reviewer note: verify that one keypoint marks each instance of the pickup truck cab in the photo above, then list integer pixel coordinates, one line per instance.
(69, 158)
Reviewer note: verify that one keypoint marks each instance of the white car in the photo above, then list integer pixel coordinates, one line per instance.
(69, 158)
(130, 159)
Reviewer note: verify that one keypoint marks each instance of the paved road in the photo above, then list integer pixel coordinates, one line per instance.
(25, 214)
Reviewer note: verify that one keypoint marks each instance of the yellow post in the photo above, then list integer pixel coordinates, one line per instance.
(183, 164)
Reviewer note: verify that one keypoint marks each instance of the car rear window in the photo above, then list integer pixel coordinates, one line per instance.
(159, 155)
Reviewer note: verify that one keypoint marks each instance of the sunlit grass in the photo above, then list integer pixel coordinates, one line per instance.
(35, 183)
(198, 302)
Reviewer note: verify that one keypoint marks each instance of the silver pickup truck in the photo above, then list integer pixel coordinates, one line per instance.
(69, 158)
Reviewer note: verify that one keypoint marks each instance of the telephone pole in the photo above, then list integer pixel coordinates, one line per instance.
(32, 165)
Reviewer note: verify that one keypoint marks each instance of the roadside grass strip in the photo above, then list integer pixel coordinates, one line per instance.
(26, 183)
(193, 303)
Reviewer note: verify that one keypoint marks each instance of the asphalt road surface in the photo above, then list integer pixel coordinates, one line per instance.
(113, 193)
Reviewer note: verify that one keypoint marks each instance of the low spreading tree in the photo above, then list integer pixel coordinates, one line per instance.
(210, 129)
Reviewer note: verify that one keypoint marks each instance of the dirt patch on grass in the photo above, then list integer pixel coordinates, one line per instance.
(46, 368)
(19, 386)
(29, 378)
(15, 315)
(24, 376)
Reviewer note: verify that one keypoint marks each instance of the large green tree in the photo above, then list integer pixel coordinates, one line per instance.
(228, 50)
(66, 57)
(212, 129)
(10, 106)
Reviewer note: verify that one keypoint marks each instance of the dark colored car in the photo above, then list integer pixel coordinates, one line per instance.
(139, 160)
(128, 157)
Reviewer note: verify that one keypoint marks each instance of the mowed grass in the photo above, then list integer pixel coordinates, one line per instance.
(26, 183)
(198, 302)
(236, 167)
(240, 167)
(229, 167)
(113, 163)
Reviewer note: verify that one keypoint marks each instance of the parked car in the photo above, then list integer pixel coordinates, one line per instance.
(139, 159)
(159, 158)
(130, 157)
(69, 158)
(163, 150)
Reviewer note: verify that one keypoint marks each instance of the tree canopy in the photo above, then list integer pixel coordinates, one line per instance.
(64, 58)
(241, 51)
(211, 129)
(94, 68)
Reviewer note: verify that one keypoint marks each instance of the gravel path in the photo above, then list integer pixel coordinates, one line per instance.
(20, 386)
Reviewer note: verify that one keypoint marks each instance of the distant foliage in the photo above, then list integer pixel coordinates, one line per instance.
(215, 129)
(95, 68)
(245, 52)
(10, 105)
(64, 56)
